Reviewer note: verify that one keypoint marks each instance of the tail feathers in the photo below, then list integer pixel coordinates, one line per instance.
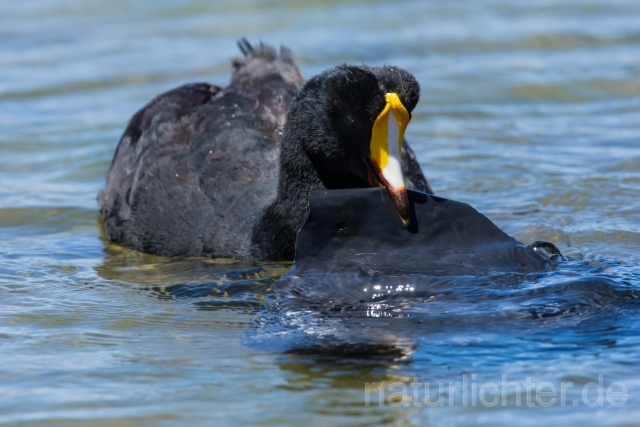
(263, 59)
(245, 47)
(286, 54)
(263, 51)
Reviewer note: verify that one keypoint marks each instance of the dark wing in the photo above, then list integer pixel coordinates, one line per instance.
(147, 157)
(198, 155)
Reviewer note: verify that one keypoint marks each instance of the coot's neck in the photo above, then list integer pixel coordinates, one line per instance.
(274, 236)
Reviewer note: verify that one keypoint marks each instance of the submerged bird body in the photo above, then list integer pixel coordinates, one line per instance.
(205, 171)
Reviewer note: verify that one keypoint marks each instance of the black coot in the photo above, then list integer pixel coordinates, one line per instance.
(205, 171)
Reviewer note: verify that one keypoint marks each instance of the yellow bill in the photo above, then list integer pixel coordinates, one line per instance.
(386, 150)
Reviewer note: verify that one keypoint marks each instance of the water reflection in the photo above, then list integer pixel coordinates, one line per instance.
(333, 313)
(530, 113)
(347, 390)
(211, 283)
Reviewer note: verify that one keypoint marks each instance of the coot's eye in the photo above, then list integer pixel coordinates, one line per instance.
(350, 119)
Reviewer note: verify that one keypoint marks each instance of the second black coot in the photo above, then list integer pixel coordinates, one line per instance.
(225, 173)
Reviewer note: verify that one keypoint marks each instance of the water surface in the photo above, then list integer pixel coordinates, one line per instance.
(530, 112)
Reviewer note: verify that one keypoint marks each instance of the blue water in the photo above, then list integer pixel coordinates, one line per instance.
(530, 112)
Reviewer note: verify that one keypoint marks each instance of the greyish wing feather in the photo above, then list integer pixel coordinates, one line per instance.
(196, 156)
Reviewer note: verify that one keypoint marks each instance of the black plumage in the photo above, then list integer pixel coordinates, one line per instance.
(206, 171)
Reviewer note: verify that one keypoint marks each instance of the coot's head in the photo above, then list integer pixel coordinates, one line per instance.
(350, 121)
